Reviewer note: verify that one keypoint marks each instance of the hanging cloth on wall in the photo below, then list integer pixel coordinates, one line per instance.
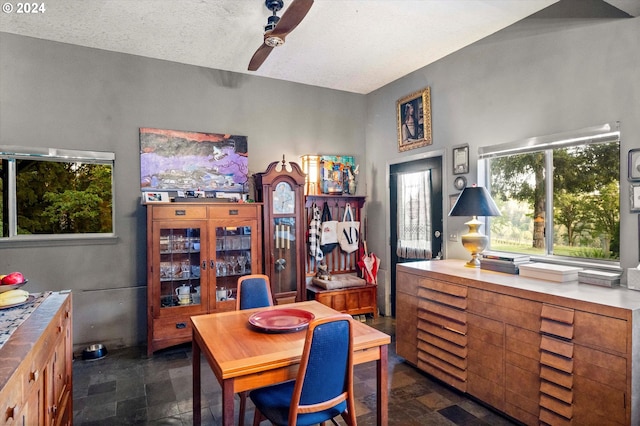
(329, 234)
(348, 231)
(369, 265)
(315, 228)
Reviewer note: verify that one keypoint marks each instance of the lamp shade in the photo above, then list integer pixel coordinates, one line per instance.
(475, 201)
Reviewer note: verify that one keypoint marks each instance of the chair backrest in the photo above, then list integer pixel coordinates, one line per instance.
(254, 291)
(325, 376)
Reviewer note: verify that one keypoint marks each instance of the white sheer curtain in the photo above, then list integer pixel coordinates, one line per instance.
(414, 218)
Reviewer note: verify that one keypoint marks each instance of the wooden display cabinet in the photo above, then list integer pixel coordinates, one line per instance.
(195, 254)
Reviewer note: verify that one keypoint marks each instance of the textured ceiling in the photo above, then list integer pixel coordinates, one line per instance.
(351, 45)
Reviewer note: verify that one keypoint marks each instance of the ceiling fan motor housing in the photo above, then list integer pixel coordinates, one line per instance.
(271, 23)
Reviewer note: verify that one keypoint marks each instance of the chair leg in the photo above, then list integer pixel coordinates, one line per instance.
(243, 404)
(348, 417)
(257, 417)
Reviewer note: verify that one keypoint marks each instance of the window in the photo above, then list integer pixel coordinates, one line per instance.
(558, 195)
(52, 192)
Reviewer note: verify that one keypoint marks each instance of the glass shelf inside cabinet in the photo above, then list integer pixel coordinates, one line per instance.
(179, 267)
(233, 257)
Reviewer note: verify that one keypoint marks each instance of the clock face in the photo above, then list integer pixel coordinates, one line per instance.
(460, 182)
(283, 199)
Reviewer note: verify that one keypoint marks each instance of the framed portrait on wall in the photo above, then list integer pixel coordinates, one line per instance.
(634, 164)
(413, 114)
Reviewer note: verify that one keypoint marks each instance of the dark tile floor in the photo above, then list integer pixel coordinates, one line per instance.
(127, 388)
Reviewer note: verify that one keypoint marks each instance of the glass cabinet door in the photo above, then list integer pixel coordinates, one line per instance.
(180, 271)
(283, 246)
(234, 258)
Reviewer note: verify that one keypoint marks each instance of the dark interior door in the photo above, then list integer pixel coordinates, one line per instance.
(433, 164)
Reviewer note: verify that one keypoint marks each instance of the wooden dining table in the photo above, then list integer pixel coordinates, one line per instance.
(244, 358)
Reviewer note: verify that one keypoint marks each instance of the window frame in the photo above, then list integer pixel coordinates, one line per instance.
(13, 153)
(605, 133)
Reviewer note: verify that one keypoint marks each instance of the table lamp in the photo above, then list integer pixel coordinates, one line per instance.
(474, 201)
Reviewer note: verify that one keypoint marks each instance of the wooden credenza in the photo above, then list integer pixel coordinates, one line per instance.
(36, 368)
(542, 352)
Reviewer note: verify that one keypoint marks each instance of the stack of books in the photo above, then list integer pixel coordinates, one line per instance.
(503, 262)
(601, 278)
(550, 272)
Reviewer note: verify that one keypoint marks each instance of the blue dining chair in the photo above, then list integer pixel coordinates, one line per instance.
(254, 291)
(323, 388)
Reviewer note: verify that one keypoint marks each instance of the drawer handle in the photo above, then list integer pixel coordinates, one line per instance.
(180, 212)
(454, 330)
(233, 212)
(181, 325)
(11, 411)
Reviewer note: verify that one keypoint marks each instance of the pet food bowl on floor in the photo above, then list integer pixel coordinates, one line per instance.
(92, 352)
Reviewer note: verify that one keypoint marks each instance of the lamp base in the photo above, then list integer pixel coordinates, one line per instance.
(474, 242)
(474, 262)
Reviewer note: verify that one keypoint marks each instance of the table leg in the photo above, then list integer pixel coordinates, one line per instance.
(227, 402)
(197, 419)
(383, 387)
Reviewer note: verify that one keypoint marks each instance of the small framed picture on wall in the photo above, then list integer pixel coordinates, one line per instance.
(634, 194)
(461, 160)
(452, 200)
(155, 197)
(634, 164)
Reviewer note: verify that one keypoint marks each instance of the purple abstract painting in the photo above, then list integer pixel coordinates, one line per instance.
(172, 160)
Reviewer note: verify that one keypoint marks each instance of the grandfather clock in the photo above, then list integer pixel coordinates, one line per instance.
(281, 189)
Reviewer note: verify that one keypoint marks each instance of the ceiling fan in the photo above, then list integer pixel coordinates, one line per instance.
(278, 28)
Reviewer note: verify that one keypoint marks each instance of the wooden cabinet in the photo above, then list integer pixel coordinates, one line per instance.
(541, 352)
(36, 371)
(195, 254)
(442, 331)
(504, 352)
(352, 301)
(583, 359)
(406, 318)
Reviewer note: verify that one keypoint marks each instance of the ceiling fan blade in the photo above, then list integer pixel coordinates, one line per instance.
(259, 57)
(291, 17)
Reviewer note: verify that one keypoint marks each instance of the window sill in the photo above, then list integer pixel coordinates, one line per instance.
(57, 240)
